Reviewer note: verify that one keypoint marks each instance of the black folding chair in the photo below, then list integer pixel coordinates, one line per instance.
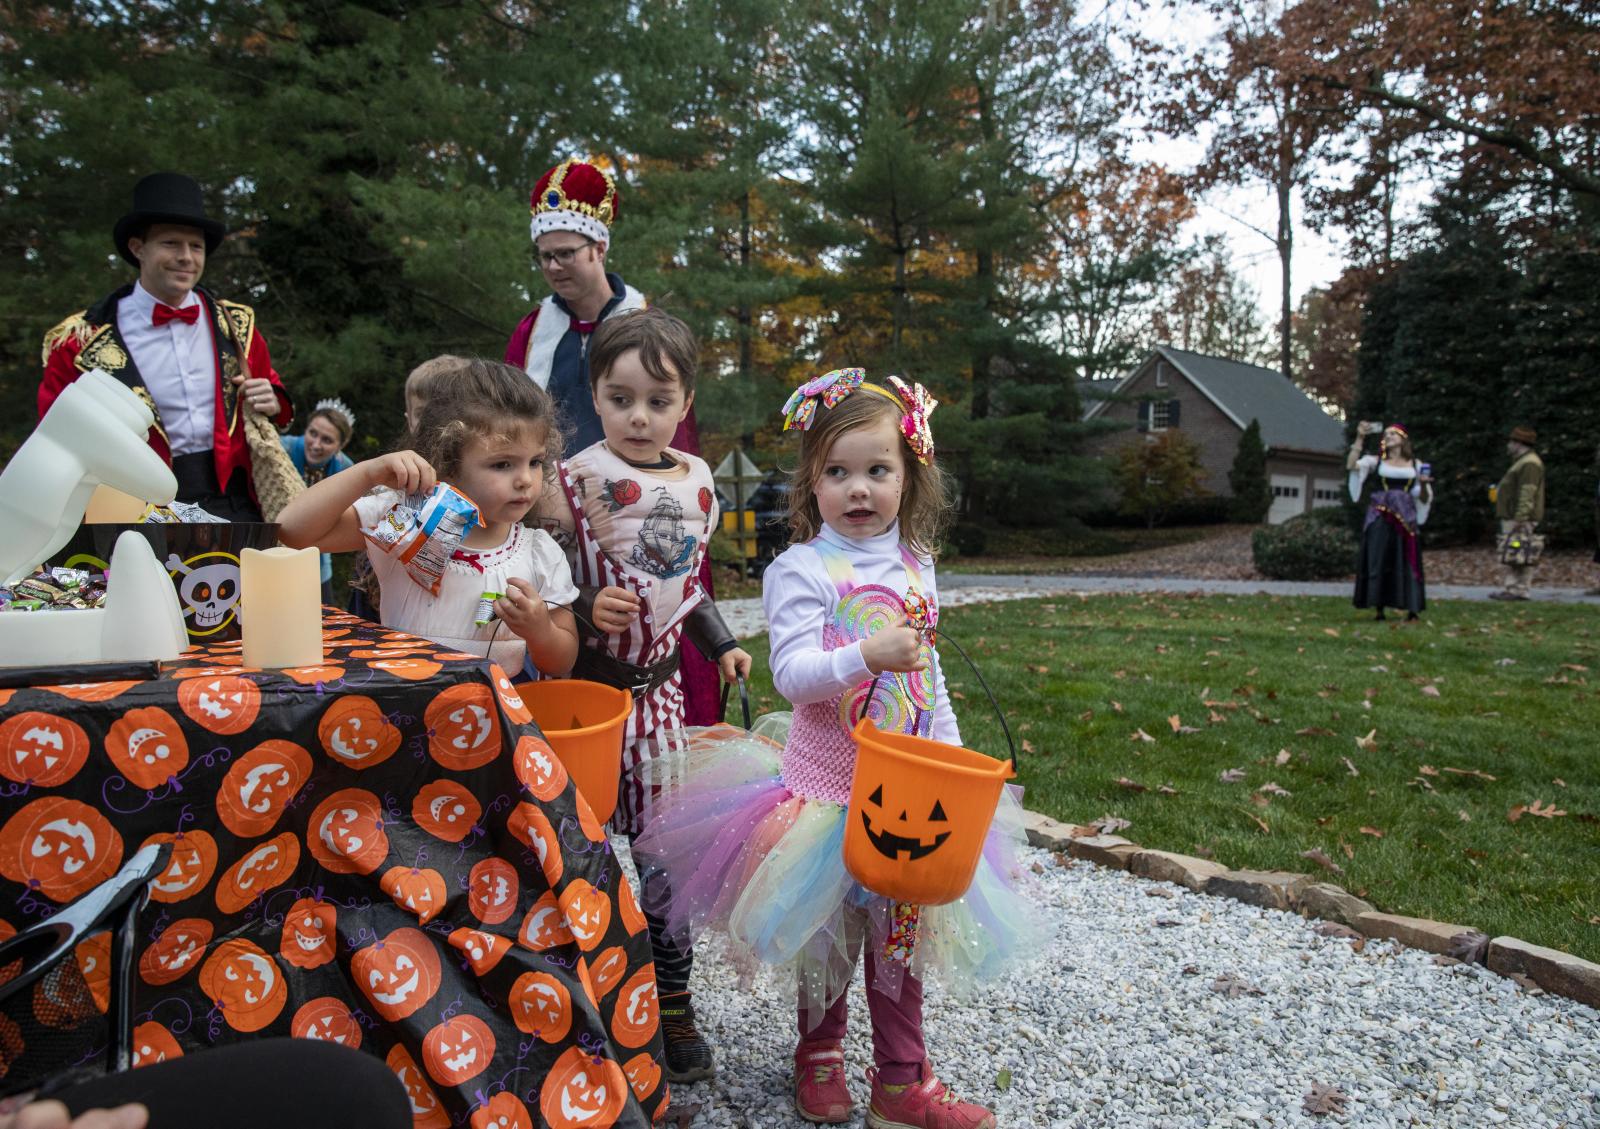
(60, 1026)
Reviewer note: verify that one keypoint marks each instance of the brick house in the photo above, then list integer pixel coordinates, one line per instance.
(1213, 400)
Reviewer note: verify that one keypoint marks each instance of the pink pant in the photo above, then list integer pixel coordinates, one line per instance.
(897, 1045)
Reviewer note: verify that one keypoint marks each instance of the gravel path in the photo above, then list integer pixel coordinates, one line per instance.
(1145, 1011)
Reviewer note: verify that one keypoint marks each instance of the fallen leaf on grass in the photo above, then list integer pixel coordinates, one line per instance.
(1111, 824)
(1333, 631)
(1373, 831)
(1027, 746)
(1345, 847)
(1216, 718)
(1086, 715)
(1543, 811)
(1430, 691)
(1259, 822)
(1559, 783)
(1325, 1100)
(1463, 816)
(1141, 735)
(1314, 731)
(1130, 785)
(1369, 743)
(1350, 766)
(1427, 770)
(1232, 986)
(1573, 666)
(1167, 790)
(1116, 707)
(1271, 788)
(1231, 775)
(1282, 758)
(1320, 857)
(1470, 772)
(958, 695)
(1176, 722)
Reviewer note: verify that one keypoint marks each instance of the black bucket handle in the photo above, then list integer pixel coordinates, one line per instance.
(944, 636)
(744, 700)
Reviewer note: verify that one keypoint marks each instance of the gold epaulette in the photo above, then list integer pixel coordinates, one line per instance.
(74, 328)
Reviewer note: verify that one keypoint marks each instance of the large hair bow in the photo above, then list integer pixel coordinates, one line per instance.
(801, 407)
(919, 405)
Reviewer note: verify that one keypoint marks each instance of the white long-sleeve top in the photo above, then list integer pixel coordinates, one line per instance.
(1367, 464)
(799, 597)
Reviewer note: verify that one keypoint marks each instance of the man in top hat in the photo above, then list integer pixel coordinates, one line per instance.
(1519, 504)
(195, 359)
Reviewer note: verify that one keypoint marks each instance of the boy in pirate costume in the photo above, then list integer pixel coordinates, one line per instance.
(635, 516)
(195, 359)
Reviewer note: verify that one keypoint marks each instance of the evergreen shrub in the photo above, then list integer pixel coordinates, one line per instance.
(1316, 546)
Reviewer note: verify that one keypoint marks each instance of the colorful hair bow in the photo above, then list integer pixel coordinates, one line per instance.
(914, 426)
(801, 407)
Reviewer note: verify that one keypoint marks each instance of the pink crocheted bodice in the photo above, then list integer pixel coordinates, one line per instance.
(819, 759)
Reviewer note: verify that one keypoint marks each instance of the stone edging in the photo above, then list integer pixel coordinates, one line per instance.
(1552, 970)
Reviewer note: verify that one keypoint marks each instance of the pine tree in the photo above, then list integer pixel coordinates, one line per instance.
(1247, 478)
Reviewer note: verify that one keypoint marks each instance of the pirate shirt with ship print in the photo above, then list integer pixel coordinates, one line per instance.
(649, 521)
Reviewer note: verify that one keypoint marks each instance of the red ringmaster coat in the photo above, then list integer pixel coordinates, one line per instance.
(89, 339)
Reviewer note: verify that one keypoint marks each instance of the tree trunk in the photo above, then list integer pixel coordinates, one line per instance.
(1285, 243)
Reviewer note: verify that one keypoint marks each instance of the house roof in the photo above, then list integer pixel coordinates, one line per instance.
(1290, 419)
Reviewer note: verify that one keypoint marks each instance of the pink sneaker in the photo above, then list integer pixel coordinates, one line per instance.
(927, 1104)
(819, 1090)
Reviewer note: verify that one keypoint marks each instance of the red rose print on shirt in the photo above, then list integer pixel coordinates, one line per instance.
(705, 501)
(623, 492)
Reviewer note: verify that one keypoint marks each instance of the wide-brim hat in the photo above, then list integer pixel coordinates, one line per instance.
(166, 197)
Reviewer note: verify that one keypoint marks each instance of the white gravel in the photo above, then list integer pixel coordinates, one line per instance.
(1119, 1024)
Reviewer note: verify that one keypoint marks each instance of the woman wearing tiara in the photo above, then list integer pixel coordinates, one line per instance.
(319, 453)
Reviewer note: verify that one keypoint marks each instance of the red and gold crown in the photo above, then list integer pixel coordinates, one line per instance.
(575, 196)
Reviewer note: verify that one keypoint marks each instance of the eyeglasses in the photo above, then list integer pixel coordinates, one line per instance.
(563, 257)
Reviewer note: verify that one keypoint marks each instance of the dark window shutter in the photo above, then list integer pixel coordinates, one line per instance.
(1172, 413)
(1144, 415)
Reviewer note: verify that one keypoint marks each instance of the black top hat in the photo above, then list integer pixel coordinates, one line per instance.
(166, 197)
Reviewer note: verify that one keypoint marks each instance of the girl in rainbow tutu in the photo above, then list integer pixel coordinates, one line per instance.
(750, 828)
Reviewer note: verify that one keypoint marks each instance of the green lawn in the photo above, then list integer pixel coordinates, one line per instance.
(1281, 688)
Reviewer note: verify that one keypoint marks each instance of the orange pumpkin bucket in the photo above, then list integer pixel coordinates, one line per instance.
(919, 812)
(584, 723)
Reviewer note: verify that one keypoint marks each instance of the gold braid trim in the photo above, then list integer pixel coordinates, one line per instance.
(74, 328)
(101, 351)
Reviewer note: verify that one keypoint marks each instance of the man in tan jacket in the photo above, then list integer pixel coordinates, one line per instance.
(1519, 504)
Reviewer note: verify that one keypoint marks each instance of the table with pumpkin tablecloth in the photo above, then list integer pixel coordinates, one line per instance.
(380, 850)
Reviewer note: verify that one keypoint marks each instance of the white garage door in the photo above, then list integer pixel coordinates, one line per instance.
(1327, 492)
(1288, 497)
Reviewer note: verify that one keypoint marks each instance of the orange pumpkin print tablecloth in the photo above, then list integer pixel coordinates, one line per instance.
(381, 851)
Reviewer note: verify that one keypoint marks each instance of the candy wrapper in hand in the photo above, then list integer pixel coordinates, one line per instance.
(423, 530)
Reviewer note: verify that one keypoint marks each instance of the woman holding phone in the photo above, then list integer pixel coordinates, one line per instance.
(1389, 569)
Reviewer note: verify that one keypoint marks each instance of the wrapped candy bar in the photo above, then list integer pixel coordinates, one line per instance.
(423, 530)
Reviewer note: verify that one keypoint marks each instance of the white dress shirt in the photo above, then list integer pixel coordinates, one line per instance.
(179, 367)
(799, 597)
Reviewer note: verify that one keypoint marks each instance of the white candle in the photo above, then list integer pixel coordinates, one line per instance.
(108, 504)
(280, 607)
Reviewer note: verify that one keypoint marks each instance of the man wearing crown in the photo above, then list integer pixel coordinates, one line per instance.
(574, 208)
(196, 360)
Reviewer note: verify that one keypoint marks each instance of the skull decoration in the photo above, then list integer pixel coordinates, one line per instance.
(209, 592)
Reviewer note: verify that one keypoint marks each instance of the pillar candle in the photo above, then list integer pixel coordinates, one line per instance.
(280, 605)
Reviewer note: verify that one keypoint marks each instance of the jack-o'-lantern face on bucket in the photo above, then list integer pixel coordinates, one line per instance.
(328, 1020)
(59, 847)
(178, 950)
(503, 1111)
(446, 810)
(224, 704)
(582, 1091)
(463, 727)
(346, 832)
(309, 930)
(245, 984)
(148, 747)
(457, 1049)
(398, 974)
(41, 748)
(905, 836)
(260, 785)
(193, 861)
(355, 732)
(541, 1005)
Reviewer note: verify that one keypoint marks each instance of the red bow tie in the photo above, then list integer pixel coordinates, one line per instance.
(164, 313)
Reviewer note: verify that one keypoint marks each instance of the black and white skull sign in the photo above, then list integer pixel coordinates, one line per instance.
(209, 590)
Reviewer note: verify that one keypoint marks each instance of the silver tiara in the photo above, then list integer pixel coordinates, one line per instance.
(336, 405)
